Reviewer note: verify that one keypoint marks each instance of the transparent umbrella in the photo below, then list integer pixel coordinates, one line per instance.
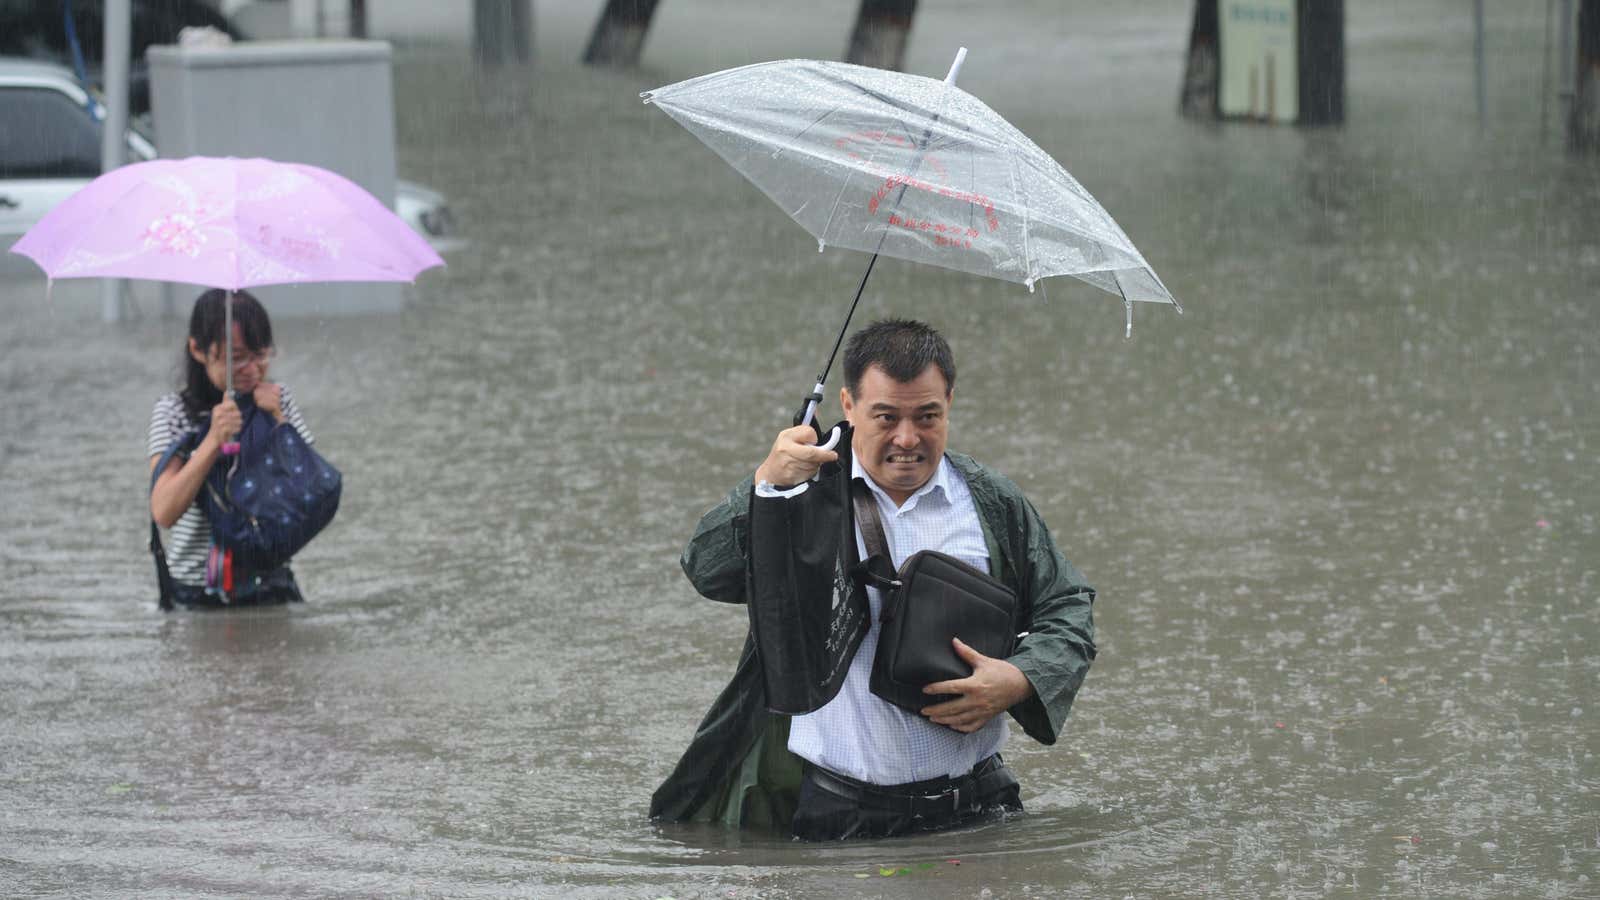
(910, 167)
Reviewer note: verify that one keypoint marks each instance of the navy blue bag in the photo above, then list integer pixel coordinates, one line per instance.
(263, 504)
(281, 494)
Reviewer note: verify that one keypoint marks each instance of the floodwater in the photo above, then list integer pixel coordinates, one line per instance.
(1341, 514)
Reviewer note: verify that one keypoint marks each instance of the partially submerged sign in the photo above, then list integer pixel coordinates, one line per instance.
(1259, 61)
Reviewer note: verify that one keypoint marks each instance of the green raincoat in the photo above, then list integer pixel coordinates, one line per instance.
(738, 770)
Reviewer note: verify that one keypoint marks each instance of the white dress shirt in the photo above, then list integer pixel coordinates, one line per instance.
(869, 739)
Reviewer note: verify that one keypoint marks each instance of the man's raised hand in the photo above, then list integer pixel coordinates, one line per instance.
(794, 457)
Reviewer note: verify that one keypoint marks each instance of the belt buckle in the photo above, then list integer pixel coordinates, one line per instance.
(955, 798)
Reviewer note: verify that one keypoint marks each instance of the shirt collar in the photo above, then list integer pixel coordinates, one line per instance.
(939, 482)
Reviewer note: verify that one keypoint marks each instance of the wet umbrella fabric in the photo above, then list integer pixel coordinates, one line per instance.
(909, 167)
(808, 613)
(225, 222)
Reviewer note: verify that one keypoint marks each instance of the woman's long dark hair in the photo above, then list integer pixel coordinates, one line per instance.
(206, 324)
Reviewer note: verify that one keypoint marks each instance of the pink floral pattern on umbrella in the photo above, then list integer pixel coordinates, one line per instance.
(175, 233)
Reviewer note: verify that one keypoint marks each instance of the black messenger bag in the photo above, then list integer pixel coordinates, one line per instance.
(932, 598)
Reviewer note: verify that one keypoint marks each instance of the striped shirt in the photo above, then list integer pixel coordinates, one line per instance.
(857, 733)
(190, 537)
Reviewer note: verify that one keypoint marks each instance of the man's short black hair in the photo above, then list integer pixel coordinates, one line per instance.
(903, 348)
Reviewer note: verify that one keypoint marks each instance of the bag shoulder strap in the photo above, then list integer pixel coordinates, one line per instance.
(878, 567)
(867, 517)
(184, 445)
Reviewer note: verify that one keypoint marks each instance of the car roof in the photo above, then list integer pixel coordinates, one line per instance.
(23, 67)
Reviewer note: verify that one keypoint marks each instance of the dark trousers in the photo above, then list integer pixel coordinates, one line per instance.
(833, 807)
(271, 589)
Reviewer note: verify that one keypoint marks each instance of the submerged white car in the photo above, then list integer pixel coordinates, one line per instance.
(50, 130)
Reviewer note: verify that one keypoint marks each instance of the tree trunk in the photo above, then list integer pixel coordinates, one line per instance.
(882, 29)
(1584, 127)
(501, 30)
(618, 36)
(1321, 50)
(1198, 96)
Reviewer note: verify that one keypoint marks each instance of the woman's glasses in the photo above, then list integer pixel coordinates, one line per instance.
(243, 358)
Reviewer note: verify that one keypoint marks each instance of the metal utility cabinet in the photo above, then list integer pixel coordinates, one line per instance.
(327, 103)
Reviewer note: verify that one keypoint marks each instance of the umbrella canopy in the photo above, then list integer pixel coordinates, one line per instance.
(910, 167)
(226, 223)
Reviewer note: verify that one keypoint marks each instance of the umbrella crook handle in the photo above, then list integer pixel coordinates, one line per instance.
(808, 417)
(832, 441)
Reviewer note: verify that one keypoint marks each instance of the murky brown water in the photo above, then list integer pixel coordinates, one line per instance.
(1342, 514)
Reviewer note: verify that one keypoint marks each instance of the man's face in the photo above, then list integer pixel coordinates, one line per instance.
(900, 427)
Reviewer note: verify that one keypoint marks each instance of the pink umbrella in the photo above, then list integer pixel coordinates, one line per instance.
(226, 223)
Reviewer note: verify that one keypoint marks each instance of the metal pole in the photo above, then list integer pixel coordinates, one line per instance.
(114, 71)
(229, 448)
(1565, 70)
(1477, 57)
(1544, 81)
(813, 399)
(1564, 61)
(227, 341)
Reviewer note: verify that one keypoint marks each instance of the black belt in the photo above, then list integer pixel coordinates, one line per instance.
(934, 798)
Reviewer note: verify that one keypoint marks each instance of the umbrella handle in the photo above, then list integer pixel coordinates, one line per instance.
(808, 414)
(809, 417)
(229, 448)
(829, 444)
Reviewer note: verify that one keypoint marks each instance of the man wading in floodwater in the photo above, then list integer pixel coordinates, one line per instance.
(860, 766)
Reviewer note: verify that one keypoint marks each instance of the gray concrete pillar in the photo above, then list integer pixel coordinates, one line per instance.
(502, 31)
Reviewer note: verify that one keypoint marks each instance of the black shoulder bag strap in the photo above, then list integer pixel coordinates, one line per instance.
(181, 446)
(878, 568)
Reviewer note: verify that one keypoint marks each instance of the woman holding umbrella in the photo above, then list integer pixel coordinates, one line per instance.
(202, 403)
(229, 223)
